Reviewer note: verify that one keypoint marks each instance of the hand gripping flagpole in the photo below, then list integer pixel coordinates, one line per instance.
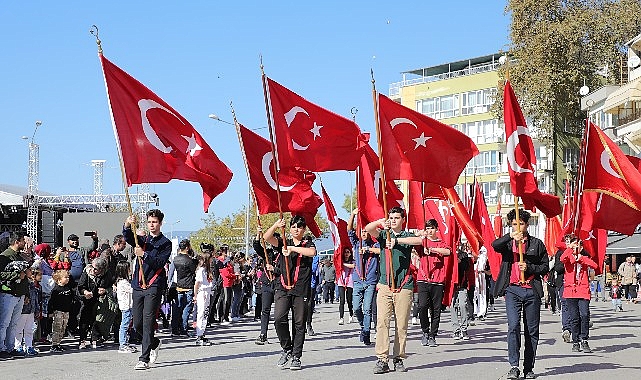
(251, 191)
(388, 256)
(94, 32)
(276, 167)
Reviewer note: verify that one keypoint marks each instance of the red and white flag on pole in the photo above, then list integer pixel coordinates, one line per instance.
(338, 228)
(296, 191)
(370, 189)
(522, 159)
(155, 142)
(309, 136)
(417, 147)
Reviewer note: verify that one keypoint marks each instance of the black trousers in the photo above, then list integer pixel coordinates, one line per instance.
(267, 300)
(342, 292)
(430, 299)
(145, 306)
(213, 303)
(283, 303)
(224, 304)
(311, 305)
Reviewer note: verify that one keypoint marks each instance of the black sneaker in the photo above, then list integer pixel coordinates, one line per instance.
(5, 355)
(464, 335)
(529, 375)
(425, 340)
(295, 365)
(456, 335)
(310, 331)
(262, 339)
(576, 347)
(381, 367)
(366, 339)
(285, 357)
(56, 349)
(586, 347)
(399, 366)
(514, 373)
(18, 353)
(202, 341)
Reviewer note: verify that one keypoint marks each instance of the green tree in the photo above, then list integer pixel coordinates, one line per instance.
(230, 229)
(349, 201)
(558, 46)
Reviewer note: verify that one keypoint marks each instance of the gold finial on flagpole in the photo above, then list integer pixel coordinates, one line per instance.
(94, 32)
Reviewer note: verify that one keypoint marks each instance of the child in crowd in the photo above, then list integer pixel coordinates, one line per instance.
(125, 301)
(616, 292)
(60, 305)
(202, 291)
(25, 325)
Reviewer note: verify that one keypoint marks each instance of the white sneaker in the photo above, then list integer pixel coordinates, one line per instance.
(351, 319)
(153, 354)
(225, 323)
(341, 321)
(414, 321)
(141, 365)
(235, 319)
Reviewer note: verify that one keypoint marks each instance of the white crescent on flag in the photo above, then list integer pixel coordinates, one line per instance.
(607, 166)
(511, 144)
(289, 117)
(145, 105)
(266, 164)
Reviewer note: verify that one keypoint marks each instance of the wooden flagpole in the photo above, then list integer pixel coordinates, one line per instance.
(389, 255)
(251, 191)
(94, 31)
(276, 166)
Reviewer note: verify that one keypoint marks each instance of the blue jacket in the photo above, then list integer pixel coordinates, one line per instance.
(157, 251)
(369, 261)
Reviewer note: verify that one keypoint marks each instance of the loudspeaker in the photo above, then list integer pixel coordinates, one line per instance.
(48, 228)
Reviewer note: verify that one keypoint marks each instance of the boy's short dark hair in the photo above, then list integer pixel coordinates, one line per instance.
(396, 210)
(156, 214)
(432, 223)
(298, 220)
(523, 215)
(16, 236)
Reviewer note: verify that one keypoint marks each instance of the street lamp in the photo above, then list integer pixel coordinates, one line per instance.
(171, 233)
(249, 197)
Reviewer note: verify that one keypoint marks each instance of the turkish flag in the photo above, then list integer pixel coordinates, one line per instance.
(296, 192)
(611, 197)
(439, 210)
(464, 220)
(338, 228)
(369, 189)
(309, 136)
(156, 143)
(483, 223)
(416, 210)
(522, 159)
(419, 148)
(553, 230)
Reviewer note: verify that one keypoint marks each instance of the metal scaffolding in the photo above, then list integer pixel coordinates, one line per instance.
(31, 199)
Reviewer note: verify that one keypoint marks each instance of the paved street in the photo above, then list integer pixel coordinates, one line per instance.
(335, 353)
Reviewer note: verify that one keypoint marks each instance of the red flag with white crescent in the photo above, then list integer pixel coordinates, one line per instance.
(309, 136)
(338, 228)
(521, 159)
(156, 143)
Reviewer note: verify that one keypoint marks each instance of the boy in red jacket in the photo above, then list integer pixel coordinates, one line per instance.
(576, 292)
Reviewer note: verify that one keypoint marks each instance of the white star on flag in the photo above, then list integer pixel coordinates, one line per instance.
(316, 130)
(421, 140)
(193, 146)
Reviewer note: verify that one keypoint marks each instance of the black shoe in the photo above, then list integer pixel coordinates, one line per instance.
(514, 373)
(285, 357)
(399, 366)
(262, 339)
(56, 349)
(586, 347)
(366, 338)
(5, 355)
(18, 354)
(295, 365)
(576, 347)
(202, 341)
(310, 331)
(381, 367)
(529, 375)
(425, 340)
(464, 335)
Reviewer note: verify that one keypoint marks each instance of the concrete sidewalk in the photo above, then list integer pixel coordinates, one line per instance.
(335, 353)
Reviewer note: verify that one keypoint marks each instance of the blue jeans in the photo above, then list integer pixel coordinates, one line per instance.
(182, 307)
(124, 326)
(579, 318)
(10, 310)
(236, 300)
(362, 300)
(564, 310)
(520, 301)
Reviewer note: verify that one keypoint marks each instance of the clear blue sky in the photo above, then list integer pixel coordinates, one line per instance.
(200, 55)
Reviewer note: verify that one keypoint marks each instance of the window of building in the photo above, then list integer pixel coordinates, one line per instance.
(484, 131)
(439, 108)
(478, 101)
(570, 156)
(487, 162)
